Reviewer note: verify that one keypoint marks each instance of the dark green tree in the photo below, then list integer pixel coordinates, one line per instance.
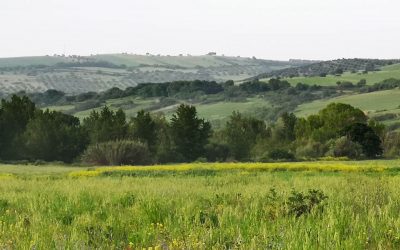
(144, 129)
(14, 116)
(54, 136)
(241, 134)
(189, 133)
(366, 137)
(106, 125)
(330, 122)
(286, 130)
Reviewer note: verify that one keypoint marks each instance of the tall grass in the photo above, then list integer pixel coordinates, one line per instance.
(203, 210)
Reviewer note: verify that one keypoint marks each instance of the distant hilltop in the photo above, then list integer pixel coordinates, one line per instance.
(74, 74)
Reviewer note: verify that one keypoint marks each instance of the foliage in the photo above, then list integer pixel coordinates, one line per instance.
(310, 149)
(53, 136)
(329, 122)
(331, 67)
(216, 152)
(299, 203)
(280, 154)
(366, 137)
(106, 125)
(286, 127)
(241, 134)
(344, 146)
(189, 133)
(143, 128)
(14, 117)
(114, 153)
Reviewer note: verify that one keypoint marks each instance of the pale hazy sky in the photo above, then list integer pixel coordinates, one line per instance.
(275, 29)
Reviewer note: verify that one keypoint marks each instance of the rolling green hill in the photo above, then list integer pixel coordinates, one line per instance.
(215, 112)
(332, 67)
(77, 74)
(381, 105)
(386, 72)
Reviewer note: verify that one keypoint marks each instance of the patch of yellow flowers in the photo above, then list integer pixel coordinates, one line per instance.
(6, 176)
(315, 166)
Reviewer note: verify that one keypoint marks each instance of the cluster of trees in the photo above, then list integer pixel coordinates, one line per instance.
(106, 137)
(183, 90)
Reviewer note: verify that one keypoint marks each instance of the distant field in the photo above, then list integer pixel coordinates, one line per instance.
(33, 60)
(201, 206)
(126, 70)
(374, 104)
(209, 111)
(392, 71)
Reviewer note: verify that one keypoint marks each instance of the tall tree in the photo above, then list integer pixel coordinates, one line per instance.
(366, 137)
(189, 133)
(54, 136)
(106, 125)
(286, 127)
(14, 116)
(241, 134)
(144, 129)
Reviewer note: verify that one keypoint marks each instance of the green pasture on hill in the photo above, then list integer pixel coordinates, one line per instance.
(210, 111)
(374, 103)
(392, 71)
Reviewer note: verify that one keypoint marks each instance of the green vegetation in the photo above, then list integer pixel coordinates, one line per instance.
(338, 130)
(378, 105)
(392, 71)
(334, 67)
(241, 208)
(78, 74)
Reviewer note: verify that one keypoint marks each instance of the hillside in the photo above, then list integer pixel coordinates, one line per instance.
(333, 67)
(384, 105)
(372, 77)
(77, 74)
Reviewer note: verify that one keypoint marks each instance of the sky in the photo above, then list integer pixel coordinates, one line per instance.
(269, 29)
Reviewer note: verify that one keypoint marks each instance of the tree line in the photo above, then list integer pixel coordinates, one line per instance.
(106, 137)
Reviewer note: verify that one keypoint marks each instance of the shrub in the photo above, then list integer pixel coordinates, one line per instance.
(280, 154)
(345, 147)
(299, 203)
(216, 152)
(122, 152)
(311, 150)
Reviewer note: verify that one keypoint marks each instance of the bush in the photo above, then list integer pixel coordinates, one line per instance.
(345, 147)
(299, 203)
(122, 152)
(216, 152)
(311, 150)
(280, 154)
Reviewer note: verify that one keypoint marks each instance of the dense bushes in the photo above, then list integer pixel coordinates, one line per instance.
(117, 153)
(344, 147)
(53, 136)
(27, 133)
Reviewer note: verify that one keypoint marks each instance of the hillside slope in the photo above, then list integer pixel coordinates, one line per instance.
(77, 74)
(384, 105)
(372, 77)
(332, 67)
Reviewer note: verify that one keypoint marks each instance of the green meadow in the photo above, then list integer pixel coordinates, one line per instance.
(375, 104)
(202, 206)
(386, 72)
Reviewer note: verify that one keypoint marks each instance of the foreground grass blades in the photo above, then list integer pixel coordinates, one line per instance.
(212, 206)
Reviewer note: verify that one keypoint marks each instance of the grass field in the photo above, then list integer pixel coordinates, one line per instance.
(200, 206)
(217, 111)
(392, 71)
(374, 104)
